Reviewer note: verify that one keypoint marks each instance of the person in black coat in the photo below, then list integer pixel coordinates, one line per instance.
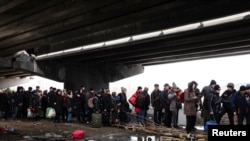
(58, 104)
(241, 106)
(123, 106)
(228, 103)
(26, 101)
(4, 104)
(156, 102)
(147, 102)
(107, 108)
(44, 102)
(18, 102)
(212, 105)
(78, 105)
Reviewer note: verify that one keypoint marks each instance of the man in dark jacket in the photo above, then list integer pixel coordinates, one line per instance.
(107, 108)
(228, 100)
(18, 102)
(78, 105)
(248, 103)
(156, 103)
(123, 106)
(165, 102)
(147, 102)
(205, 91)
(26, 101)
(58, 104)
(213, 104)
(241, 105)
(4, 104)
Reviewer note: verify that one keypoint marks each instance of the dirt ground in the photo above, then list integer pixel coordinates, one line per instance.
(47, 130)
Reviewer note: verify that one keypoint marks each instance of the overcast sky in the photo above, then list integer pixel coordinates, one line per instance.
(223, 70)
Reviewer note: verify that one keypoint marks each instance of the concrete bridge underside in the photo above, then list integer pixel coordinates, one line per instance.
(44, 26)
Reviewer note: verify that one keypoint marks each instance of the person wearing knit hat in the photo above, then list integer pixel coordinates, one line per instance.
(174, 86)
(204, 92)
(156, 103)
(213, 82)
(231, 85)
(241, 105)
(242, 88)
(228, 98)
(212, 106)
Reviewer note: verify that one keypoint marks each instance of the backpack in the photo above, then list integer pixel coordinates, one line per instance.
(90, 102)
(140, 100)
(132, 99)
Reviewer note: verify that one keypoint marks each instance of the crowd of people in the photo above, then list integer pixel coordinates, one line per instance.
(115, 106)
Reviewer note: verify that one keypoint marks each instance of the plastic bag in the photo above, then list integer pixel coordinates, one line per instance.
(29, 113)
(50, 112)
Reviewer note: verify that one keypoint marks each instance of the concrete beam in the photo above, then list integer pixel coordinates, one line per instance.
(5, 63)
(18, 65)
(146, 20)
(90, 75)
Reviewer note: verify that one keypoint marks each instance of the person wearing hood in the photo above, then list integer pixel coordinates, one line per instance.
(228, 101)
(190, 100)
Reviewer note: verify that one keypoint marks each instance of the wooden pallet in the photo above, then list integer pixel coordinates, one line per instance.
(168, 134)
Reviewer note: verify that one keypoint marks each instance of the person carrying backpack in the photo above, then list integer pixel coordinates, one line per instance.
(140, 105)
(122, 106)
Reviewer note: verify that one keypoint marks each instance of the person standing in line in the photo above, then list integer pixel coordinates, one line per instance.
(213, 105)
(147, 103)
(248, 103)
(228, 103)
(190, 101)
(139, 105)
(241, 105)
(69, 105)
(166, 105)
(4, 104)
(205, 91)
(123, 106)
(172, 96)
(77, 105)
(156, 104)
(114, 112)
(107, 108)
(58, 104)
